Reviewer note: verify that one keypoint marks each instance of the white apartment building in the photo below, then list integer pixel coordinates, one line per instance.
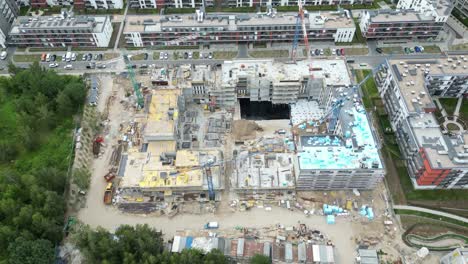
(8, 12)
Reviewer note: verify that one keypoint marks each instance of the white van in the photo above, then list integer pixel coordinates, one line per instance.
(47, 57)
(68, 57)
(73, 57)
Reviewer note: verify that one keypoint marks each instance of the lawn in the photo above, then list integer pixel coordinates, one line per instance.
(269, 54)
(459, 47)
(140, 56)
(432, 216)
(356, 51)
(392, 50)
(432, 49)
(449, 105)
(26, 58)
(224, 55)
(110, 56)
(369, 88)
(460, 17)
(47, 49)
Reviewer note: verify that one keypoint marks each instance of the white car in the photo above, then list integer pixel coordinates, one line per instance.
(166, 56)
(161, 55)
(68, 67)
(84, 57)
(190, 55)
(53, 65)
(321, 52)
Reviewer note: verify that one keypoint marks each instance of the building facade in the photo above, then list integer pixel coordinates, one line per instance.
(412, 20)
(8, 13)
(61, 31)
(202, 29)
(434, 157)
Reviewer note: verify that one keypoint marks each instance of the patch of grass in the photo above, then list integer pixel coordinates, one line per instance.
(268, 54)
(259, 45)
(196, 55)
(171, 47)
(459, 47)
(115, 32)
(47, 49)
(356, 51)
(143, 11)
(327, 52)
(100, 11)
(24, 10)
(432, 49)
(432, 216)
(156, 56)
(110, 56)
(224, 55)
(358, 38)
(392, 50)
(170, 10)
(26, 58)
(458, 15)
(89, 49)
(449, 104)
(244, 9)
(140, 56)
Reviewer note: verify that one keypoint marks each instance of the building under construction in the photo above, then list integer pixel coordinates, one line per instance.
(157, 168)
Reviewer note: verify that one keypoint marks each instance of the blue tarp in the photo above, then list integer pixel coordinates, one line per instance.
(188, 242)
(330, 219)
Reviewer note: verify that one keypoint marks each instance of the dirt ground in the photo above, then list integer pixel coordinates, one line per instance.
(346, 233)
(245, 129)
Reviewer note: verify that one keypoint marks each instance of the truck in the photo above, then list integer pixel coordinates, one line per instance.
(108, 193)
(212, 225)
(97, 145)
(3, 55)
(68, 56)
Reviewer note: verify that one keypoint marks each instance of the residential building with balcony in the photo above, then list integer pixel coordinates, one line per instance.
(8, 13)
(434, 156)
(412, 20)
(61, 31)
(204, 29)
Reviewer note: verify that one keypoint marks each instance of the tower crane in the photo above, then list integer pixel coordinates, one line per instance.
(300, 22)
(135, 84)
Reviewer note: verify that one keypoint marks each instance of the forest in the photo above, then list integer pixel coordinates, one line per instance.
(37, 109)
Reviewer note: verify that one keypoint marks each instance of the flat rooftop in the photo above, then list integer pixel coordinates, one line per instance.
(162, 115)
(27, 24)
(441, 150)
(410, 76)
(231, 21)
(333, 72)
(356, 150)
(390, 16)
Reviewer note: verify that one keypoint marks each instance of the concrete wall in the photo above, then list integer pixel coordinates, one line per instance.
(458, 27)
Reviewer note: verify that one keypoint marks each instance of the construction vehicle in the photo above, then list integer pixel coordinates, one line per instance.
(71, 221)
(97, 142)
(108, 193)
(212, 225)
(109, 176)
(135, 84)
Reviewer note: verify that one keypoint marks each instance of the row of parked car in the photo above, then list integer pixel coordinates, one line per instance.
(319, 52)
(69, 57)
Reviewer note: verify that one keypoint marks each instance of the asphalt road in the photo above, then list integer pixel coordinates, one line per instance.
(117, 65)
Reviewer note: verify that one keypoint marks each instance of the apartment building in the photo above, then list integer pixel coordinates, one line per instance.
(462, 6)
(8, 13)
(61, 31)
(434, 157)
(412, 20)
(204, 29)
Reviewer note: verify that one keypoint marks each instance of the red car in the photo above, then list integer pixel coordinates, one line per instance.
(342, 52)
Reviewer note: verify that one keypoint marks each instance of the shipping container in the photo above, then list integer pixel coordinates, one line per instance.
(240, 247)
(175, 244)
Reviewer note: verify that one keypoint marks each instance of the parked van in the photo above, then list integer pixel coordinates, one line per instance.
(48, 57)
(73, 57)
(68, 57)
(3, 55)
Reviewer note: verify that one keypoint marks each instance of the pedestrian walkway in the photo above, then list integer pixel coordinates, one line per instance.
(434, 212)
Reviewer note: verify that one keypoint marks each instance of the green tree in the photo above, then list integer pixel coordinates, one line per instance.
(24, 251)
(215, 257)
(260, 259)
